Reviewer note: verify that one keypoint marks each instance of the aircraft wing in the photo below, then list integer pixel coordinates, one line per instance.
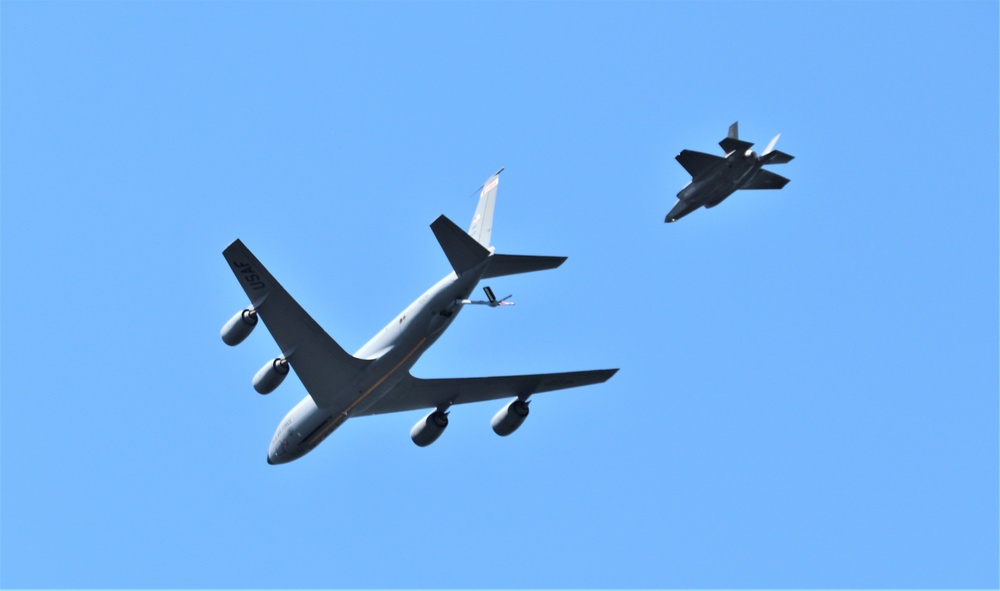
(415, 393)
(322, 365)
(698, 162)
(765, 179)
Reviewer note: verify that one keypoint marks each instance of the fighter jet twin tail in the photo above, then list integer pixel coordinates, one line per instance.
(713, 178)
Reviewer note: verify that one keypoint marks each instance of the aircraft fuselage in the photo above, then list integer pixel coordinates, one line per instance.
(395, 349)
(715, 185)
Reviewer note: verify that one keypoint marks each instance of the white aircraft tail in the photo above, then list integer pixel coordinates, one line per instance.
(482, 223)
(467, 250)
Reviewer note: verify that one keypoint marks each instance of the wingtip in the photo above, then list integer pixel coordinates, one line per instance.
(441, 219)
(235, 246)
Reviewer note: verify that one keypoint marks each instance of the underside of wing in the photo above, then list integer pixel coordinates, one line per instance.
(415, 393)
(698, 162)
(322, 365)
(766, 180)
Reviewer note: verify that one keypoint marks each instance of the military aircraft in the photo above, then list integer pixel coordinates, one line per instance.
(713, 178)
(376, 379)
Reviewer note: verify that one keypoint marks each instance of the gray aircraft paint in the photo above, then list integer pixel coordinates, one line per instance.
(714, 178)
(377, 379)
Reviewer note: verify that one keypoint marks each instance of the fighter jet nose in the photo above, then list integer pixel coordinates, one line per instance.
(269, 460)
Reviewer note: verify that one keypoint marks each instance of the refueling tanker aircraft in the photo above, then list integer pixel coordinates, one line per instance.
(713, 178)
(376, 379)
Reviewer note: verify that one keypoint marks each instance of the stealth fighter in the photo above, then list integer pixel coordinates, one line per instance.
(713, 178)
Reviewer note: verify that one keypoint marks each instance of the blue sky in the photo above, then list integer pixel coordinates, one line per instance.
(808, 394)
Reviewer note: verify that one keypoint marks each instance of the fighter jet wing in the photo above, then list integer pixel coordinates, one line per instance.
(766, 180)
(415, 393)
(322, 365)
(697, 162)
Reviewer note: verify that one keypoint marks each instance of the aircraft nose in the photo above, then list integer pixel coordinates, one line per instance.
(273, 457)
(276, 455)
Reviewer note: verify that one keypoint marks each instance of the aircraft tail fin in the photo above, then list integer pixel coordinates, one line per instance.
(482, 223)
(467, 250)
(733, 142)
(463, 251)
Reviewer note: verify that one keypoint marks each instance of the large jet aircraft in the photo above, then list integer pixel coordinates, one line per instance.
(713, 178)
(376, 379)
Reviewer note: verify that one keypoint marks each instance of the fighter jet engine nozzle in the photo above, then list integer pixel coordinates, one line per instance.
(429, 428)
(239, 327)
(750, 155)
(510, 417)
(269, 377)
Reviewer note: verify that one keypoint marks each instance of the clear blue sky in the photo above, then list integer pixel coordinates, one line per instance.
(809, 385)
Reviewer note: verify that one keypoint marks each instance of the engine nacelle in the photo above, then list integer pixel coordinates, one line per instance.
(429, 428)
(750, 155)
(510, 418)
(239, 327)
(270, 376)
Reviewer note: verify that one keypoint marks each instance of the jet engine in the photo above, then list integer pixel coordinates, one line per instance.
(750, 155)
(239, 327)
(270, 376)
(429, 428)
(510, 418)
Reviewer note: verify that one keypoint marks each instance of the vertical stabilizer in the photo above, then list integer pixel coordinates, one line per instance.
(734, 130)
(482, 223)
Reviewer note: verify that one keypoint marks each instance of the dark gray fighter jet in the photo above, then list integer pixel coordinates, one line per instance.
(714, 178)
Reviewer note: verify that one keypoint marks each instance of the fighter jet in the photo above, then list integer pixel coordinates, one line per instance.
(714, 178)
(376, 379)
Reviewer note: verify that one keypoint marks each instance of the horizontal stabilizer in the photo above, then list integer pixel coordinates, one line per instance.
(730, 145)
(513, 264)
(776, 157)
(697, 163)
(463, 251)
(766, 180)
